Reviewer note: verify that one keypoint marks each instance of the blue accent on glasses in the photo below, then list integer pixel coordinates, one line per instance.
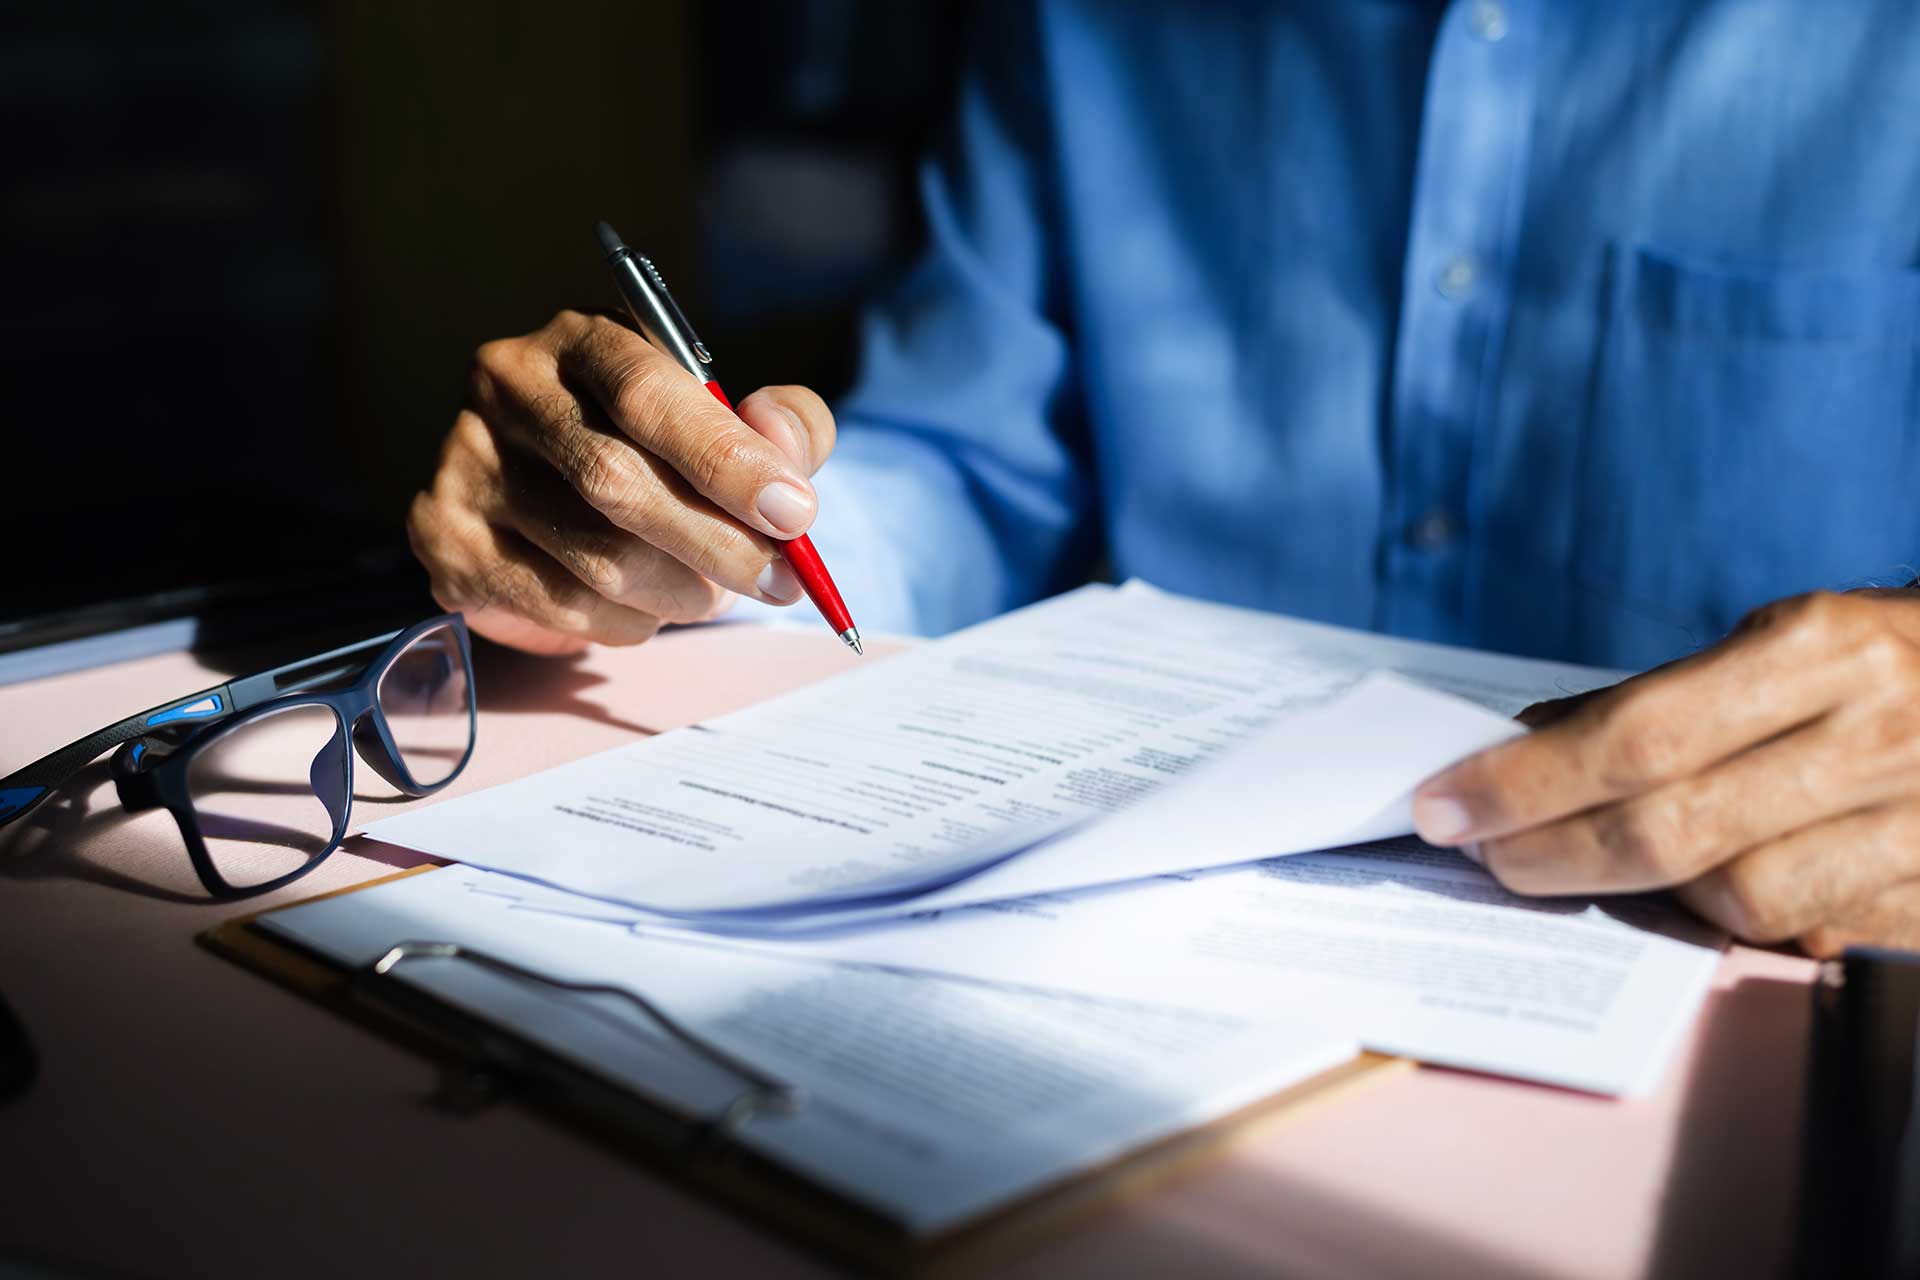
(212, 705)
(14, 799)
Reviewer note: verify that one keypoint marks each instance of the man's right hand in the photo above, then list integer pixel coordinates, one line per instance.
(592, 489)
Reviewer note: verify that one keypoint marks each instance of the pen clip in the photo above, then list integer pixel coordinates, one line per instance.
(679, 318)
(653, 308)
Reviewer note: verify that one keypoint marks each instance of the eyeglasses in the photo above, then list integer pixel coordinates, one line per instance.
(258, 772)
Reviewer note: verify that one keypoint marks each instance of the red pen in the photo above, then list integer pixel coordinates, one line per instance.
(666, 327)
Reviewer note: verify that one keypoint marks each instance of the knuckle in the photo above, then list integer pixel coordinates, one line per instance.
(718, 459)
(469, 433)
(566, 329)
(572, 603)
(561, 419)
(727, 556)
(421, 521)
(595, 563)
(443, 595)
(602, 331)
(636, 387)
(1761, 904)
(1893, 839)
(698, 549)
(603, 473)
(639, 397)
(1786, 614)
(1816, 606)
(457, 587)
(1640, 745)
(1876, 749)
(1890, 659)
(1643, 842)
(494, 363)
(468, 591)
(1816, 615)
(697, 600)
(1906, 663)
(433, 533)
(467, 440)
(493, 586)
(560, 604)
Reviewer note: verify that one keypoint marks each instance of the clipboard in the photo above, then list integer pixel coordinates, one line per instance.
(481, 1063)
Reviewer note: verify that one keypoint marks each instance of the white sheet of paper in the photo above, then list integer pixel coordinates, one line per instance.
(1336, 775)
(1413, 950)
(928, 1099)
(929, 766)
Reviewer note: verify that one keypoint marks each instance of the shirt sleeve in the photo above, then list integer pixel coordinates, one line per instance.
(959, 487)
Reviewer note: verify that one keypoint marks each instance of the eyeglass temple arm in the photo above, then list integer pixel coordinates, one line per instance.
(307, 673)
(25, 789)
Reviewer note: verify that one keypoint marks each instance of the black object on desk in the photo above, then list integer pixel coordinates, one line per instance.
(1860, 1183)
(17, 1063)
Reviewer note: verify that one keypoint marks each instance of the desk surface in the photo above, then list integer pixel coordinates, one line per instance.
(193, 1118)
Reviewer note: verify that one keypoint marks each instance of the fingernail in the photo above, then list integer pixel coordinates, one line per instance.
(777, 583)
(786, 508)
(1441, 819)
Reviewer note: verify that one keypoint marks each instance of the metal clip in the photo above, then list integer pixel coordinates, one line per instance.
(764, 1094)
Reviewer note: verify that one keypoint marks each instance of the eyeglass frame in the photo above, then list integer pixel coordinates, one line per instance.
(154, 748)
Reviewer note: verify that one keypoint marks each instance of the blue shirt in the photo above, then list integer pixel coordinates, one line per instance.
(1565, 329)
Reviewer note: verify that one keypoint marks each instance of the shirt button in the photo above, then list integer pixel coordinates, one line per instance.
(1488, 18)
(1456, 278)
(1435, 530)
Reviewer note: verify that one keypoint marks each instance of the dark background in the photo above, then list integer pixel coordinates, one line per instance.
(249, 248)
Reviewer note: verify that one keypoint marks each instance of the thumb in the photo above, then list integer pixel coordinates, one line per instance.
(794, 420)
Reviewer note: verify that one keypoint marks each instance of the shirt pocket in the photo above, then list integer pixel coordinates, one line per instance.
(1751, 435)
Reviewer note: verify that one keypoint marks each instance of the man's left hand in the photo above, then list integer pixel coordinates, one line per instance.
(1773, 781)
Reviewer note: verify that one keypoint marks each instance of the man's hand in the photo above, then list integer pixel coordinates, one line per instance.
(1773, 780)
(591, 490)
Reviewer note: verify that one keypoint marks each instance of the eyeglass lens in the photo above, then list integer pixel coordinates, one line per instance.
(270, 794)
(427, 700)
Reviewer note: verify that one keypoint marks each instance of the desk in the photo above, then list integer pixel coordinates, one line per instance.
(192, 1118)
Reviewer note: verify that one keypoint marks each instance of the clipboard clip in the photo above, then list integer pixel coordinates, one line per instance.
(480, 1081)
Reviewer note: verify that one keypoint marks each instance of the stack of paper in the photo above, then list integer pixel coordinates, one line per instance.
(931, 1101)
(1051, 770)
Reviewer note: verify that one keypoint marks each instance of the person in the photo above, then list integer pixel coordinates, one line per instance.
(1581, 331)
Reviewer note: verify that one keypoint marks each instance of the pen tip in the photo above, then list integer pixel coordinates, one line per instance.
(852, 637)
(610, 242)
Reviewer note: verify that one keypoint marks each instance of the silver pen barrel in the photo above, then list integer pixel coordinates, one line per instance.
(652, 306)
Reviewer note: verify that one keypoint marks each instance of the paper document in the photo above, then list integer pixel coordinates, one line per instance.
(935, 767)
(929, 1100)
(1337, 775)
(1412, 950)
